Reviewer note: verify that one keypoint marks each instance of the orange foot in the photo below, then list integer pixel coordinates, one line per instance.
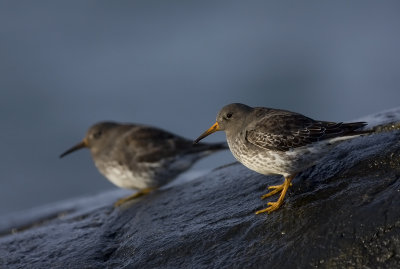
(275, 189)
(272, 207)
(131, 197)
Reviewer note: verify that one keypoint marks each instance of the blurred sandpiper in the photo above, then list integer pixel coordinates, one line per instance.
(274, 141)
(141, 157)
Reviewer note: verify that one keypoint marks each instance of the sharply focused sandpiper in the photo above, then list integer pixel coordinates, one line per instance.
(274, 141)
(140, 157)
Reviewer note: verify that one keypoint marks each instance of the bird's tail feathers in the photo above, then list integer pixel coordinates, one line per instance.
(352, 128)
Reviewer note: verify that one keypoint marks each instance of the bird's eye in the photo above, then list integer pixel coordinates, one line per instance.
(229, 115)
(97, 134)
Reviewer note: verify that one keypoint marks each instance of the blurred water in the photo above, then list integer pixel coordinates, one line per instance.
(174, 64)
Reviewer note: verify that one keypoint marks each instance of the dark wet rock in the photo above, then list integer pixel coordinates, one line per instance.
(342, 213)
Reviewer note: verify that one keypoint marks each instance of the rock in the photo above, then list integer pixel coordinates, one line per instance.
(341, 213)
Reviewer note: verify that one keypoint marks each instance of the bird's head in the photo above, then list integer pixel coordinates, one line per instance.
(229, 118)
(95, 136)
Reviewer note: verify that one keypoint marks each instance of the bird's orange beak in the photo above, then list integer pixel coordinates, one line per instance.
(81, 145)
(211, 130)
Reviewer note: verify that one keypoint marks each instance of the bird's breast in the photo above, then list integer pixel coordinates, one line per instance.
(266, 161)
(124, 177)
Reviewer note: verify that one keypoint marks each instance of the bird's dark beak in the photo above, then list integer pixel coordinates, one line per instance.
(81, 145)
(212, 129)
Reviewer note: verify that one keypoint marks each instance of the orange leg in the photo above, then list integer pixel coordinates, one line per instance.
(131, 197)
(275, 188)
(279, 188)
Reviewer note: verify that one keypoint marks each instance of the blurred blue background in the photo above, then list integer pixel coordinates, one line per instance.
(174, 64)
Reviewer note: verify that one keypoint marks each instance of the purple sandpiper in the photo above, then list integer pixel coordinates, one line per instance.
(141, 157)
(274, 141)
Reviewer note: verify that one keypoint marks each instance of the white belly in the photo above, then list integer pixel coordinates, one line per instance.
(122, 177)
(284, 163)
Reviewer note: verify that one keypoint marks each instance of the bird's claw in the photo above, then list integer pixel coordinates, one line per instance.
(272, 207)
(131, 197)
(275, 189)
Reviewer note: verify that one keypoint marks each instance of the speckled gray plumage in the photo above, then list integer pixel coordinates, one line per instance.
(273, 141)
(139, 157)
